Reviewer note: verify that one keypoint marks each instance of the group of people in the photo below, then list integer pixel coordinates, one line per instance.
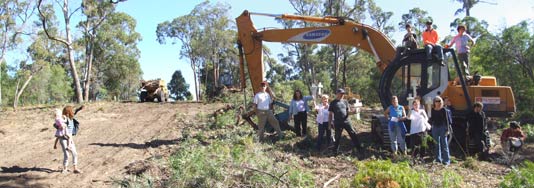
(431, 44)
(335, 115)
(440, 126)
(67, 127)
(330, 115)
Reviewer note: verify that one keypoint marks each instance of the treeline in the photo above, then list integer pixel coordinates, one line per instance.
(208, 46)
(106, 56)
(93, 59)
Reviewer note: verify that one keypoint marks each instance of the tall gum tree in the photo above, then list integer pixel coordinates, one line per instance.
(67, 41)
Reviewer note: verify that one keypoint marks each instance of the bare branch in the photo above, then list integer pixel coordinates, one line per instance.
(43, 21)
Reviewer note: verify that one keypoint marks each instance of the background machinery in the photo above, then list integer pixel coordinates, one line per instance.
(153, 89)
(404, 74)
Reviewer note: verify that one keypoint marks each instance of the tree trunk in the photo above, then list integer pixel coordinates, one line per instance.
(89, 50)
(18, 93)
(70, 50)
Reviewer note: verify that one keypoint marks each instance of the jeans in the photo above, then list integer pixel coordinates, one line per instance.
(324, 132)
(434, 48)
(464, 62)
(339, 129)
(72, 149)
(442, 146)
(301, 123)
(397, 138)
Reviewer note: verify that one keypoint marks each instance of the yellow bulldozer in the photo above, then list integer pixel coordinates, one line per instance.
(153, 89)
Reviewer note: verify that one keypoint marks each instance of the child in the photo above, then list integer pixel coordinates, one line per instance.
(61, 128)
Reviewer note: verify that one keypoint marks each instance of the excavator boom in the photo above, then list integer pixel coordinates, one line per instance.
(344, 32)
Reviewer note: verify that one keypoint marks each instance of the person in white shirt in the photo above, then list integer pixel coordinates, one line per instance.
(262, 107)
(322, 121)
(418, 127)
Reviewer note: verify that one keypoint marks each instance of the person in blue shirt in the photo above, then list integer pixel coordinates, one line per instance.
(298, 110)
(397, 130)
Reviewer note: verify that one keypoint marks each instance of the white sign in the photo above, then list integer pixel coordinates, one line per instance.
(488, 100)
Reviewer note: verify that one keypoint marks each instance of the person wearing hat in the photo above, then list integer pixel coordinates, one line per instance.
(512, 138)
(430, 42)
(262, 106)
(410, 39)
(338, 118)
(476, 130)
(461, 42)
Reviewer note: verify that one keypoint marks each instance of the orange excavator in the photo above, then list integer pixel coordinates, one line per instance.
(406, 74)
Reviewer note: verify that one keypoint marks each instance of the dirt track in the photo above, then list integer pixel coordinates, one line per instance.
(112, 136)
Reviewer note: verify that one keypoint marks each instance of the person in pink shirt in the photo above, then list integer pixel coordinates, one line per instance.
(430, 42)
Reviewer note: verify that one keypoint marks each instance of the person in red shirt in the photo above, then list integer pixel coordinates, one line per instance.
(430, 42)
(510, 135)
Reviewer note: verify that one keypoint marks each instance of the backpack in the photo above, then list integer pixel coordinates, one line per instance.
(76, 126)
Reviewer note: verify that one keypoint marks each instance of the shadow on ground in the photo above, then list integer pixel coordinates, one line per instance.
(151, 144)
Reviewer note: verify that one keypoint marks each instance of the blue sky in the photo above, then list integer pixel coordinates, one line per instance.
(160, 61)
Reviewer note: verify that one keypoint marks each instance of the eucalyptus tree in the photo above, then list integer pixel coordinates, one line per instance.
(95, 13)
(117, 70)
(14, 15)
(67, 41)
(205, 40)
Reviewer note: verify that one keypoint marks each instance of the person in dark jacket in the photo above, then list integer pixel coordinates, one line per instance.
(439, 120)
(477, 130)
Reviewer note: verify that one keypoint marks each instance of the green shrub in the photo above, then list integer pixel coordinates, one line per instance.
(471, 163)
(224, 119)
(520, 177)
(528, 129)
(380, 173)
(451, 179)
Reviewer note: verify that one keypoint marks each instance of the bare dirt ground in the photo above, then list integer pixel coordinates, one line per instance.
(117, 138)
(112, 136)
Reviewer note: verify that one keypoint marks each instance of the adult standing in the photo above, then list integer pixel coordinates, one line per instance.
(396, 127)
(418, 127)
(72, 129)
(298, 110)
(322, 121)
(439, 120)
(461, 42)
(338, 118)
(476, 130)
(430, 41)
(262, 106)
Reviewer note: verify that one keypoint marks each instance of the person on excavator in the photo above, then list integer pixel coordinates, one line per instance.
(461, 42)
(410, 39)
(430, 42)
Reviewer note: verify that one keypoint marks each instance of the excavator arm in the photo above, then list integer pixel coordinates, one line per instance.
(340, 31)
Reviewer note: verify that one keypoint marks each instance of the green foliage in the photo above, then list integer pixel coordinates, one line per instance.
(178, 88)
(520, 177)
(379, 173)
(471, 163)
(528, 129)
(451, 179)
(224, 119)
(235, 160)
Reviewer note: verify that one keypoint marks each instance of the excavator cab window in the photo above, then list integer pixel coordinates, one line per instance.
(424, 76)
(434, 76)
